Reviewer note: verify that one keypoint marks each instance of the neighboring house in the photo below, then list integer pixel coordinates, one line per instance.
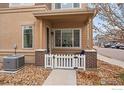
(119, 36)
(99, 40)
(57, 28)
(116, 36)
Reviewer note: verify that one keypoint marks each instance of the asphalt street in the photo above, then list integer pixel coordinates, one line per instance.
(111, 53)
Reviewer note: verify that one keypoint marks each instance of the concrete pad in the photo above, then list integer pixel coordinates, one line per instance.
(61, 77)
(111, 60)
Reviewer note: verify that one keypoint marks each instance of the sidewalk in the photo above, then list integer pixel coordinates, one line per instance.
(61, 77)
(110, 60)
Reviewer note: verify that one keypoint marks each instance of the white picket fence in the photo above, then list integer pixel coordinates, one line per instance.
(64, 61)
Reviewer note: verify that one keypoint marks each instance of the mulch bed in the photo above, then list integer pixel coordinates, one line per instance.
(28, 75)
(106, 74)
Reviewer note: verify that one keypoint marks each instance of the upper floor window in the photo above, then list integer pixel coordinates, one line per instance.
(66, 5)
(20, 4)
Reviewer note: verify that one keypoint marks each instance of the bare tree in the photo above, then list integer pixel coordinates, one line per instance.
(112, 19)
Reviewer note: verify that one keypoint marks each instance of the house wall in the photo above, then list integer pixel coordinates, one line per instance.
(11, 31)
(11, 21)
(4, 5)
(84, 6)
(47, 4)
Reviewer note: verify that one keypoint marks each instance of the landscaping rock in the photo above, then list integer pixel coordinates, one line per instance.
(29, 75)
(106, 74)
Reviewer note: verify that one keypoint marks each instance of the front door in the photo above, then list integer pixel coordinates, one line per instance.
(48, 40)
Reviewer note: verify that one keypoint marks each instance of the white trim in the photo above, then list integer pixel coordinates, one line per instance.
(73, 38)
(54, 61)
(53, 7)
(40, 49)
(80, 32)
(22, 29)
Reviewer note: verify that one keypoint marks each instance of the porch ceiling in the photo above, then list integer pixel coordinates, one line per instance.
(65, 16)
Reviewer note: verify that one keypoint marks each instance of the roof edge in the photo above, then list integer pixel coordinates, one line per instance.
(24, 7)
(61, 12)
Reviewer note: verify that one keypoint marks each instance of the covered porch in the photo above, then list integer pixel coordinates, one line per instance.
(48, 23)
(65, 31)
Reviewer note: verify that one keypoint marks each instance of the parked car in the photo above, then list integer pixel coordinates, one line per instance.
(121, 46)
(108, 45)
(118, 45)
(113, 46)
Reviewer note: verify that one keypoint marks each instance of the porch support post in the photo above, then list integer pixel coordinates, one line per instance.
(41, 33)
(37, 34)
(40, 51)
(89, 34)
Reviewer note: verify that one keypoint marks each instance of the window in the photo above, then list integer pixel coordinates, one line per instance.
(66, 5)
(76, 5)
(57, 5)
(20, 4)
(67, 38)
(27, 37)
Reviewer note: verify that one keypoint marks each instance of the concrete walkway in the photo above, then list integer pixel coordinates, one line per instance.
(111, 60)
(61, 77)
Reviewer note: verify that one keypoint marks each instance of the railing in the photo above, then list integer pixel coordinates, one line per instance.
(64, 61)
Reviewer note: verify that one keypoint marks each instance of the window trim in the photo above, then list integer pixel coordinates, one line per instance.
(53, 7)
(80, 32)
(22, 29)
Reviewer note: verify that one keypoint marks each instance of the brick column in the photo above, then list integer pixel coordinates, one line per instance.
(91, 59)
(39, 57)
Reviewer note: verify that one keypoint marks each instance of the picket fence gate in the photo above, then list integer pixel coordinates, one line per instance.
(65, 61)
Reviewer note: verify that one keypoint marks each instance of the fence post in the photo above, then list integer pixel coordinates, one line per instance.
(55, 58)
(84, 59)
(51, 61)
(45, 60)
